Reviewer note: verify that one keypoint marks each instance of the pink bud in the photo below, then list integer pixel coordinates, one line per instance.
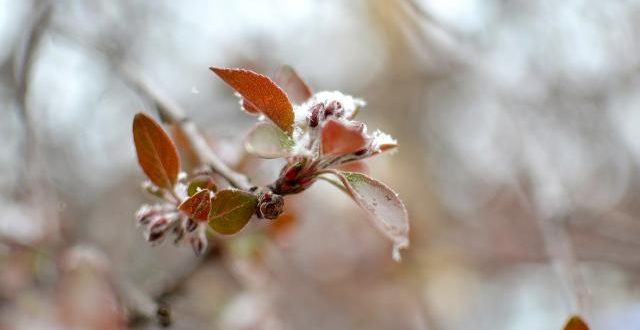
(334, 108)
(190, 225)
(314, 114)
(144, 214)
(198, 243)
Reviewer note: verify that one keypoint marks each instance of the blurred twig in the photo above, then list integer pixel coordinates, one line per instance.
(24, 58)
(172, 114)
(559, 248)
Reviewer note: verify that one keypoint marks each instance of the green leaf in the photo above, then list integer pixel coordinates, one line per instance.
(387, 211)
(266, 140)
(231, 209)
(157, 155)
(201, 182)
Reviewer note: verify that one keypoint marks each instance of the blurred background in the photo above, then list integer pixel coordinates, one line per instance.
(519, 160)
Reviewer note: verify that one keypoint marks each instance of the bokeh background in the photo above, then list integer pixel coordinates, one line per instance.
(519, 131)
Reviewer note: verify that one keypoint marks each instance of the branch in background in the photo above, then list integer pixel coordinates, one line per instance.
(172, 114)
(559, 248)
(24, 58)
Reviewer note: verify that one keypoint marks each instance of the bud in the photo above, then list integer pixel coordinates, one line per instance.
(179, 232)
(144, 214)
(155, 237)
(333, 109)
(190, 225)
(314, 114)
(291, 172)
(198, 243)
(270, 205)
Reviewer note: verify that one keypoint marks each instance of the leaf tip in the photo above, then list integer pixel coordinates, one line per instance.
(576, 322)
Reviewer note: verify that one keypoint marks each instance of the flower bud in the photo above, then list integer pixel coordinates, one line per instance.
(314, 114)
(270, 205)
(333, 109)
(145, 213)
(190, 225)
(198, 243)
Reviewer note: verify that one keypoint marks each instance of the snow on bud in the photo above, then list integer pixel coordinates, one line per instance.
(270, 205)
(144, 214)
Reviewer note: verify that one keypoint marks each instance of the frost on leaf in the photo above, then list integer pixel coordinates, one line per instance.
(268, 141)
(297, 90)
(197, 206)
(157, 155)
(261, 93)
(387, 211)
(576, 323)
(340, 137)
(231, 209)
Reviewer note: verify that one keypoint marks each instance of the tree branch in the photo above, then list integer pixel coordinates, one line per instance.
(171, 113)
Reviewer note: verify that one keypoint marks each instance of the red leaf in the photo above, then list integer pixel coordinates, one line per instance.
(156, 152)
(342, 138)
(576, 323)
(357, 166)
(249, 107)
(197, 207)
(287, 78)
(262, 93)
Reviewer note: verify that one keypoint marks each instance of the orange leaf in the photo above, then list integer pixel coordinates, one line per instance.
(156, 152)
(342, 138)
(262, 93)
(287, 78)
(249, 107)
(197, 206)
(576, 323)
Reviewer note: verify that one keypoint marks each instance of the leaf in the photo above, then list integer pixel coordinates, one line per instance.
(249, 107)
(201, 182)
(357, 166)
(262, 93)
(231, 209)
(157, 155)
(387, 211)
(268, 141)
(197, 207)
(576, 323)
(342, 137)
(287, 78)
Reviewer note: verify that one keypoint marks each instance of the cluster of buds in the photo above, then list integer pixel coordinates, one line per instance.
(170, 217)
(325, 137)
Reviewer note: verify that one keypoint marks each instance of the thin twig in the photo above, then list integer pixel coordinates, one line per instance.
(24, 58)
(559, 248)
